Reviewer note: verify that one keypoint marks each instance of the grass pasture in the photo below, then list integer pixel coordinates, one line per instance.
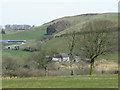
(31, 34)
(82, 81)
(18, 53)
(110, 56)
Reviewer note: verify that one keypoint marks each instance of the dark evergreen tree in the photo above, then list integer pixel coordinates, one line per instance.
(2, 31)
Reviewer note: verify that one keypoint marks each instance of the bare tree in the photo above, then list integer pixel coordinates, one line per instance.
(43, 58)
(97, 41)
(71, 46)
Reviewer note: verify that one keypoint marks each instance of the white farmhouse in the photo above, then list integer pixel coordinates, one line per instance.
(64, 57)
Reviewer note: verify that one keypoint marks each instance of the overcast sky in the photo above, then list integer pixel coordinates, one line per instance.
(38, 12)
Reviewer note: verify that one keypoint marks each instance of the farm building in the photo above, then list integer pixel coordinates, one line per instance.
(13, 41)
(64, 57)
(60, 58)
(12, 47)
(56, 59)
(20, 41)
(17, 27)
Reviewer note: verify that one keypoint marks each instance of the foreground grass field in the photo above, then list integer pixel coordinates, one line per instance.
(82, 81)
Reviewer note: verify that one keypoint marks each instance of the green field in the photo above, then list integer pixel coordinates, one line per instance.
(110, 56)
(31, 34)
(18, 53)
(82, 81)
(59, 44)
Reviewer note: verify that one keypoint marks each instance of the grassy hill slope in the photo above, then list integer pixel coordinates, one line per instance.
(78, 21)
(75, 21)
(60, 44)
(57, 43)
(31, 34)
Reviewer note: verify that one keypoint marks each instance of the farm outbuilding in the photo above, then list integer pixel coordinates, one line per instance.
(17, 41)
(13, 47)
(56, 59)
(64, 57)
(13, 41)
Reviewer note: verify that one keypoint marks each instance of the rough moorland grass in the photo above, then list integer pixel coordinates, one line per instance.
(82, 81)
(80, 20)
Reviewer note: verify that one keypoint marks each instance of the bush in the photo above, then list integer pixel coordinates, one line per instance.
(53, 66)
(2, 31)
(23, 72)
(32, 65)
(9, 63)
(83, 71)
(37, 73)
(60, 72)
(58, 26)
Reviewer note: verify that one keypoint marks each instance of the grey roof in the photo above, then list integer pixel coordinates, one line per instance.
(64, 55)
(12, 40)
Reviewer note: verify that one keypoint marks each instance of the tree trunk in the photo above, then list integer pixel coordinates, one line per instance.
(46, 72)
(72, 72)
(71, 69)
(92, 67)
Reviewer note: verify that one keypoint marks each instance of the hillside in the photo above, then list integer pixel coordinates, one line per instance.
(75, 22)
(30, 34)
(80, 20)
(60, 44)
